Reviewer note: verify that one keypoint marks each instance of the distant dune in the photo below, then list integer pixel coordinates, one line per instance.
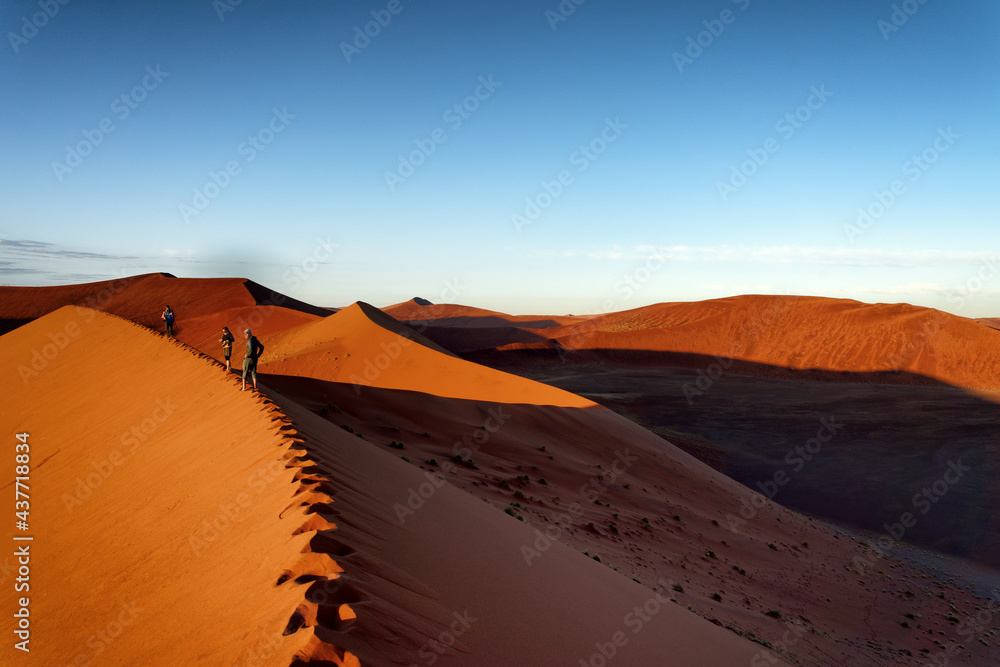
(143, 298)
(786, 333)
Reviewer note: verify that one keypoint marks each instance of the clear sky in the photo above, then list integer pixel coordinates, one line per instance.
(524, 156)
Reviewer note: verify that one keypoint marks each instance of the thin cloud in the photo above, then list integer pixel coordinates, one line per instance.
(793, 255)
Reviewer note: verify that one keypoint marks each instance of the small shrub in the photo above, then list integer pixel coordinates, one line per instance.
(678, 588)
(773, 613)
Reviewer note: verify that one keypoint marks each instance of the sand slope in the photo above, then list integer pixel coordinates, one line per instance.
(154, 499)
(362, 345)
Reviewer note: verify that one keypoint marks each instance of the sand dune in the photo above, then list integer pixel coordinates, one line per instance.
(786, 332)
(141, 299)
(341, 519)
(155, 489)
(363, 346)
(840, 602)
(189, 523)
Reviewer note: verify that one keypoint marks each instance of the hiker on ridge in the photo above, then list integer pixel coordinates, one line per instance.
(227, 341)
(168, 319)
(253, 352)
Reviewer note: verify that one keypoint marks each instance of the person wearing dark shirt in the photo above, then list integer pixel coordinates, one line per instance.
(227, 341)
(168, 320)
(253, 352)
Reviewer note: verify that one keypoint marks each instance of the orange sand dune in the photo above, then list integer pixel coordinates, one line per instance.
(154, 489)
(800, 333)
(441, 314)
(364, 346)
(176, 520)
(143, 298)
(464, 329)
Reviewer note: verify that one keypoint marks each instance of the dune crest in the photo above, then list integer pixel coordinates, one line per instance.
(156, 489)
(362, 345)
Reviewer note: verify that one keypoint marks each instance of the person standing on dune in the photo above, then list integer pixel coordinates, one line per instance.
(227, 341)
(168, 319)
(253, 352)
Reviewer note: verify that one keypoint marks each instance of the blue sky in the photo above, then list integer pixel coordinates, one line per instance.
(530, 157)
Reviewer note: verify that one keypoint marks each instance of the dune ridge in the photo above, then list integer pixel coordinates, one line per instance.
(361, 345)
(797, 333)
(167, 508)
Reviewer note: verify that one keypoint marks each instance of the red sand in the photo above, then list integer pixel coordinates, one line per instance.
(360, 556)
(794, 332)
(361, 345)
(167, 549)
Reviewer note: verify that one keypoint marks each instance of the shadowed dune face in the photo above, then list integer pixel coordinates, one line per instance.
(886, 445)
(592, 480)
